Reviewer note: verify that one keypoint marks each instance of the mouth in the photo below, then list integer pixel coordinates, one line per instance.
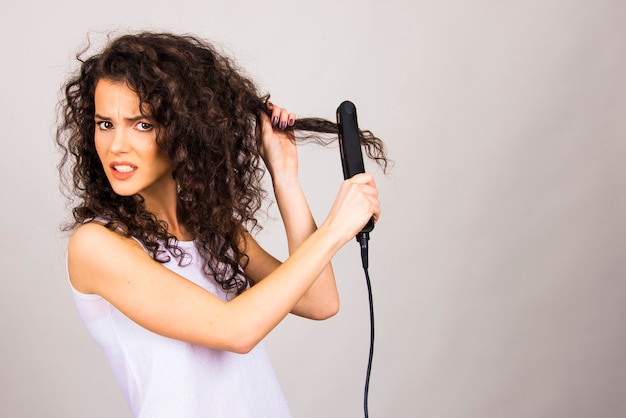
(123, 170)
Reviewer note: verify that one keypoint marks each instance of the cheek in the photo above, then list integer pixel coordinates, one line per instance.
(154, 157)
(160, 159)
(165, 166)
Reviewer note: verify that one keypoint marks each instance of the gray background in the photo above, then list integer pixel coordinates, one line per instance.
(498, 265)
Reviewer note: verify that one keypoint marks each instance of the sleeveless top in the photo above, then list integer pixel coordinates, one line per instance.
(161, 377)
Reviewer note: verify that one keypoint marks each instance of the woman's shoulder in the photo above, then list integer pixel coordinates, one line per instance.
(93, 247)
(91, 230)
(93, 240)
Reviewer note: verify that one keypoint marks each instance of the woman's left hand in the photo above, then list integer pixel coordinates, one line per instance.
(276, 145)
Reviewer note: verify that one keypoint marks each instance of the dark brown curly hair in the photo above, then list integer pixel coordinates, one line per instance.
(206, 111)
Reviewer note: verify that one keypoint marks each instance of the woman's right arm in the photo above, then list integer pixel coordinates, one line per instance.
(118, 269)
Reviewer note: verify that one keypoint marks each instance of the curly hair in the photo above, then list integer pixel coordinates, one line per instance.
(206, 111)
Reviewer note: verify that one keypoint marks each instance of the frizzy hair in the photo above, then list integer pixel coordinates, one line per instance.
(206, 112)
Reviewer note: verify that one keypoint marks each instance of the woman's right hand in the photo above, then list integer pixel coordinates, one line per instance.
(356, 202)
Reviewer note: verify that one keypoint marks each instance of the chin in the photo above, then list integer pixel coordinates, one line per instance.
(124, 191)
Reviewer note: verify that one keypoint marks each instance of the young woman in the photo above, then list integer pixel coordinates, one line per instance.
(164, 139)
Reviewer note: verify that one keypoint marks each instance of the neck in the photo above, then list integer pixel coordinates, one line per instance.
(165, 208)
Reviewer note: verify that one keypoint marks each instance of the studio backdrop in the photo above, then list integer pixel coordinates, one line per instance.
(498, 265)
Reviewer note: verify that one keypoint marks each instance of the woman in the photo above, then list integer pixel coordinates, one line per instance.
(165, 140)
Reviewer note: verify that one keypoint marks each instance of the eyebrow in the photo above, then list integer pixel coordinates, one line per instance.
(133, 119)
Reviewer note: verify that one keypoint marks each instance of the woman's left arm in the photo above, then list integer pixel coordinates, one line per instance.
(278, 150)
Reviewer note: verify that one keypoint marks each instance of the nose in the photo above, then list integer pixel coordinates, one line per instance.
(119, 143)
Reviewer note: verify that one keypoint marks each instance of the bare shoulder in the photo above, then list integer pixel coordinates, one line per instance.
(86, 234)
(93, 249)
(94, 240)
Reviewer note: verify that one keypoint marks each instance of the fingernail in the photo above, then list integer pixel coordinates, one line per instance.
(270, 105)
(283, 125)
(291, 122)
(275, 120)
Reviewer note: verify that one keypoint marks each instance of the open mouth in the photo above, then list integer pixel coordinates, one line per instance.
(123, 171)
(124, 168)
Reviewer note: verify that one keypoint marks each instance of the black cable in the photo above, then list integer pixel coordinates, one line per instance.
(363, 239)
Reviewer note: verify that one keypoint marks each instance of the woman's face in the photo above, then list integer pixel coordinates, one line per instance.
(126, 143)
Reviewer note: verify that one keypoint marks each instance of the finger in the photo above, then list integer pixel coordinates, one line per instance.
(286, 119)
(281, 117)
(365, 185)
(376, 210)
(363, 178)
(291, 119)
(276, 112)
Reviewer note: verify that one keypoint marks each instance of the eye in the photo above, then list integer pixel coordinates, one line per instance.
(144, 126)
(104, 125)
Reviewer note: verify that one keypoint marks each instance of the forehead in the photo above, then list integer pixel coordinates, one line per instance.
(115, 96)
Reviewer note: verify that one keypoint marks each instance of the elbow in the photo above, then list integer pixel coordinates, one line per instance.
(243, 348)
(242, 340)
(331, 308)
(331, 311)
(241, 344)
(325, 311)
(238, 340)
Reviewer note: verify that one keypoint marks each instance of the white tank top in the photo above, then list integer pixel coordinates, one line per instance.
(168, 378)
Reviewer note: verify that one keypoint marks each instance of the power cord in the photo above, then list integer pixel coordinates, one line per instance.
(363, 238)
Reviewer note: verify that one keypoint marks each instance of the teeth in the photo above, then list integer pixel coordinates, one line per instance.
(123, 168)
